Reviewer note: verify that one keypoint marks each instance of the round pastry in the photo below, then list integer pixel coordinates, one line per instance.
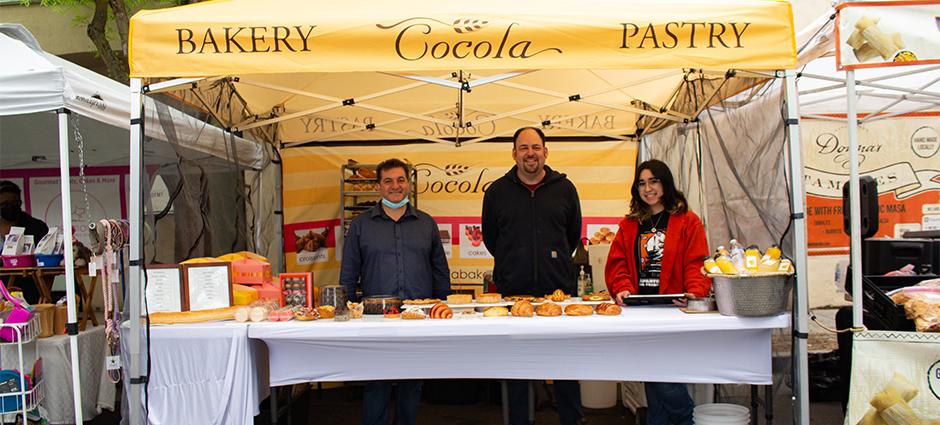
(306, 314)
(608, 309)
(597, 296)
(557, 296)
(459, 299)
(392, 313)
(497, 311)
(421, 301)
(326, 311)
(413, 313)
(487, 298)
(578, 310)
(548, 308)
(519, 298)
(441, 311)
(522, 308)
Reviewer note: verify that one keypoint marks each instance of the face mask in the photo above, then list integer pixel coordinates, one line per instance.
(394, 205)
(10, 212)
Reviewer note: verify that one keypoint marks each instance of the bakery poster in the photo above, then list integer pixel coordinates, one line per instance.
(900, 153)
(887, 34)
(450, 186)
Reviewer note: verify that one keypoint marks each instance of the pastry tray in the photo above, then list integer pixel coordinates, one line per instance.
(509, 304)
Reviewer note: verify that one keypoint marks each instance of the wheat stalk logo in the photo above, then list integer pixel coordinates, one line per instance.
(468, 25)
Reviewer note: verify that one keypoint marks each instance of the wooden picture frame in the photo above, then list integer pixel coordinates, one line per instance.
(207, 285)
(308, 284)
(164, 291)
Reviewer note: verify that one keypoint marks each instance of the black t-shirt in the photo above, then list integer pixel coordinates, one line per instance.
(650, 240)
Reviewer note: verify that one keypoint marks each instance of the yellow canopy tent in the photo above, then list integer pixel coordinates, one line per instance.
(295, 72)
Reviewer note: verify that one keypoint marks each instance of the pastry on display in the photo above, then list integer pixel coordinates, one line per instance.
(608, 309)
(459, 299)
(241, 314)
(421, 301)
(413, 313)
(557, 296)
(306, 314)
(522, 308)
(392, 313)
(578, 310)
(489, 297)
(519, 298)
(355, 310)
(597, 296)
(497, 311)
(327, 311)
(548, 308)
(440, 311)
(165, 318)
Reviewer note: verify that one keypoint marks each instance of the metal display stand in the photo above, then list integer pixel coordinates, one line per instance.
(24, 398)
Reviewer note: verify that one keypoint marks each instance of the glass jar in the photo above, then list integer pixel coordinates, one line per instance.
(335, 295)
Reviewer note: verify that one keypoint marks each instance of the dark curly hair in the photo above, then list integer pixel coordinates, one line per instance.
(389, 164)
(672, 199)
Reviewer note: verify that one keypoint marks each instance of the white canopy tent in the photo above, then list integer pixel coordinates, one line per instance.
(34, 83)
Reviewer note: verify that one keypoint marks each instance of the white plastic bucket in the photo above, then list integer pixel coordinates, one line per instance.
(721, 414)
(598, 394)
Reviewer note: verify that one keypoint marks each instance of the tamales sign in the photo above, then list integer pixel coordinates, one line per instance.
(882, 34)
(232, 37)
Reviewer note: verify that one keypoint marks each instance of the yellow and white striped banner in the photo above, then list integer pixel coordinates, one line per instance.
(450, 187)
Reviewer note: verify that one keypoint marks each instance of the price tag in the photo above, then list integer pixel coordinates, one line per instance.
(93, 266)
(113, 362)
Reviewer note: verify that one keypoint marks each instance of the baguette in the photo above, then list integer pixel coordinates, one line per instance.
(216, 314)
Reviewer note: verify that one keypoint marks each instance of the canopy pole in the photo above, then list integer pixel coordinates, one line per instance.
(135, 275)
(72, 326)
(855, 215)
(801, 292)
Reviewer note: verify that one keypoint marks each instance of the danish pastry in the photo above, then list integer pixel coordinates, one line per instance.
(522, 308)
(608, 309)
(497, 311)
(515, 298)
(441, 311)
(306, 314)
(548, 308)
(579, 310)
(597, 296)
(557, 296)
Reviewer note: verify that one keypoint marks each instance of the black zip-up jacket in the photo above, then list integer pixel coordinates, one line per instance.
(532, 234)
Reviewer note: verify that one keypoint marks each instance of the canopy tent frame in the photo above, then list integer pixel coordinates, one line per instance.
(697, 93)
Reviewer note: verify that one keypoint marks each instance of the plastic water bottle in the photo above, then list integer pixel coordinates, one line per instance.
(737, 256)
(582, 282)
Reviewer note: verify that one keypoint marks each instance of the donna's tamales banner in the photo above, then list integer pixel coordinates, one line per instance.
(450, 187)
(900, 153)
(893, 33)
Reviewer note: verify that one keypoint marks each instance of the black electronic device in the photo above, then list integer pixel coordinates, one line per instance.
(868, 206)
(651, 299)
(882, 255)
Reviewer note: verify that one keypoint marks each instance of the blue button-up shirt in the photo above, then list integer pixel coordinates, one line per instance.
(404, 258)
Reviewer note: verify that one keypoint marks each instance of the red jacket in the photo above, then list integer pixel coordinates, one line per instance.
(683, 253)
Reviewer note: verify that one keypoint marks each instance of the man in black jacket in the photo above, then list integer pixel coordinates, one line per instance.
(531, 226)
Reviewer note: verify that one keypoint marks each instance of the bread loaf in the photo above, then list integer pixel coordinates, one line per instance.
(216, 314)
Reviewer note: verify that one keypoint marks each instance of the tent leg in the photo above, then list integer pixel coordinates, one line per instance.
(801, 303)
(855, 214)
(279, 201)
(135, 275)
(72, 327)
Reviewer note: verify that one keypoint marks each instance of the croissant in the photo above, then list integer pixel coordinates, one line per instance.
(557, 296)
(548, 308)
(608, 309)
(579, 310)
(521, 308)
(441, 311)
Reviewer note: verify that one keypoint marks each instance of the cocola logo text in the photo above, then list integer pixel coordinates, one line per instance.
(416, 40)
(451, 178)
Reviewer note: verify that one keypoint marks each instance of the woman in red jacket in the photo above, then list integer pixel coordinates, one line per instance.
(659, 249)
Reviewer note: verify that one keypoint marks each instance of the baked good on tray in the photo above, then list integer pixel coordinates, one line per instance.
(579, 310)
(440, 311)
(608, 309)
(557, 296)
(497, 311)
(597, 296)
(413, 313)
(459, 299)
(522, 308)
(491, 297)
(548, 308)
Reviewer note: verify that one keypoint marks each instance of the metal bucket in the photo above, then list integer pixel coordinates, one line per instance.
(760, 295)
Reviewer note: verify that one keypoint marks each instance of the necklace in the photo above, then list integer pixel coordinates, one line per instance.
(653, 230)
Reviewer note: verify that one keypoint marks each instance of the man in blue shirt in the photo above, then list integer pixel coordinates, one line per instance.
(394, 249)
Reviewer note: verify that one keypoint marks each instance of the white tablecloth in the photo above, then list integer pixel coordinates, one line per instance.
(643, 344)
(205, 374)
(97, 390)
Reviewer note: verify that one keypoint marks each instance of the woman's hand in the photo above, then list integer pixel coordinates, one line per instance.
(620, 296)
(683, 302)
